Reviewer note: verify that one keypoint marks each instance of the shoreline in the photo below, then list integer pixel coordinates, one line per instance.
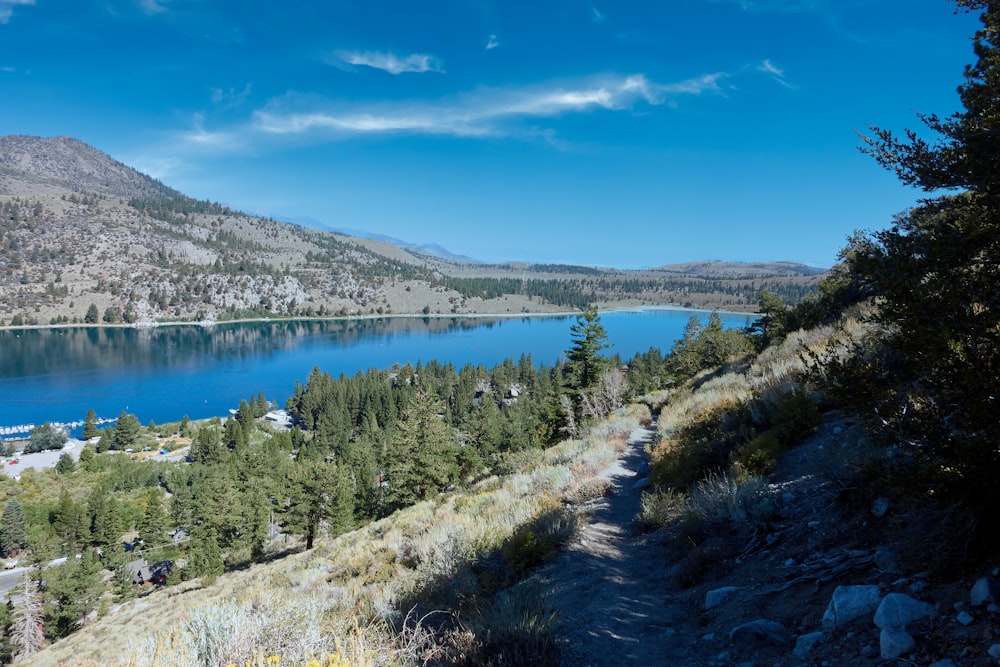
(208, 324)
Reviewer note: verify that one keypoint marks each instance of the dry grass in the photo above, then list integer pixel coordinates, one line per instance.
(347, 597)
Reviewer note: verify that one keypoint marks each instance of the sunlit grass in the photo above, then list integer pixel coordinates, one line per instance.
(345, 602)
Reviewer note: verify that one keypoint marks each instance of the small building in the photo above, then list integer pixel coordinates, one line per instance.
(144, 573)
(140, 571)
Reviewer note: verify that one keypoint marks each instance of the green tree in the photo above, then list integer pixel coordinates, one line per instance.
(72, 590)
(69, 520)
(90, 429)
(936, 271)
(91, 316)
(204, 554)
(13, 529)
(588, 339)
(771, 325)
(154, 518)
(422, 454)
(126, 431)
(65, 464)
(319, 493)
(6, 630)
(45, 437)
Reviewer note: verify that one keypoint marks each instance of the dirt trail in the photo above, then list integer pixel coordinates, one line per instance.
(610, 586)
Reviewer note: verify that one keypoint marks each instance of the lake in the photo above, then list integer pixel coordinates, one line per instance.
(164, 373)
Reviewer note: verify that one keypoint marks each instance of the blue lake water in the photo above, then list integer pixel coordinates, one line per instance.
(164, 373)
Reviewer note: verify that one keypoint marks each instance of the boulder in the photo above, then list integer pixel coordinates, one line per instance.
(805, 643)
(715, 597)
(849, 603)
(761, 632)
(897, 610)
(984, 591)
(894, 642)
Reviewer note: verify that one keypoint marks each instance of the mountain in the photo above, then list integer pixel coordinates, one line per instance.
(85, 238)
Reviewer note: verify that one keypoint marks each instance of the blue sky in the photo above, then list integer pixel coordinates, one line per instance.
(627, 133)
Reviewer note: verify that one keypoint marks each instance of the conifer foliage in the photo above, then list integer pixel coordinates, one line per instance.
(937, 270)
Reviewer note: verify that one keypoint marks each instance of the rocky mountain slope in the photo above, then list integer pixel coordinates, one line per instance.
(85, 238)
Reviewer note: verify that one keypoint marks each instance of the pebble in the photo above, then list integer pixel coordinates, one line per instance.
(965, 618)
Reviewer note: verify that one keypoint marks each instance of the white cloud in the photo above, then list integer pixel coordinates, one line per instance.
(7, 8)
(595, 15)
(8, 69)
(198, 136)
(776, 5)
(492, 43)
(490, 112)
(153, 6)
(231, 98)
(767, 67)
(390, 62)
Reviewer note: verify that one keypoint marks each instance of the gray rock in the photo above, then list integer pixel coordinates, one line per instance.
(641, 484)
(897, 610)
(886, 561)
(715, 597)
(760, 632)
(894, 642)
(994, 652)
(965, 618)
(985, 590)
(849, 603)
(947, 662)
(880, 507)
(805, 643)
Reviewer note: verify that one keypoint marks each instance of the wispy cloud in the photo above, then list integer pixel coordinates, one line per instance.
(492, 43)
(7, 8)
(767, 67)
(8, 69)
(596, 15)
(153, 6)
(776, 5)
(490, 112)
(200, 137)
(231, 98)
(390, 62)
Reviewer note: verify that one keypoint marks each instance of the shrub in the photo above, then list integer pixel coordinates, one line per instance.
(728, 497)
(659, 508)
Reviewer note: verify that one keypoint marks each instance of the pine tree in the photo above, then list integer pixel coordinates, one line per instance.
(154, 518)
(90, 429)
(422, 454)
(588, 339)
(13, 530)
(126, 431)
(936, 271)
(204, 555)
(318, 493)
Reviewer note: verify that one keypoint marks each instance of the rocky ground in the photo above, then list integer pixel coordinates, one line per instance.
(812, 582)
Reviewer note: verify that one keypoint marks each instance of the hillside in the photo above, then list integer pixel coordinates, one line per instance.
(80, 229)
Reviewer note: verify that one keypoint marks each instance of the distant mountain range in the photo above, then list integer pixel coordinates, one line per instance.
(81, 232)
(433, 249)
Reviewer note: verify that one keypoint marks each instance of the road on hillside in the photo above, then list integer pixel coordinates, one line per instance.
(9, 579)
